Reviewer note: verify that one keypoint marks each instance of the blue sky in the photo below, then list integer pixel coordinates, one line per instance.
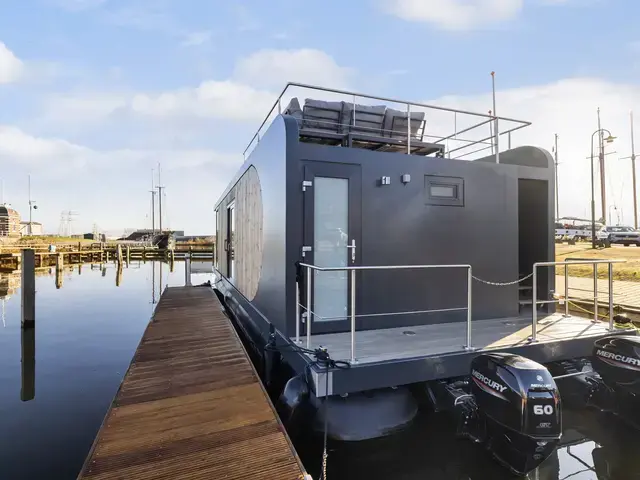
(95, 92)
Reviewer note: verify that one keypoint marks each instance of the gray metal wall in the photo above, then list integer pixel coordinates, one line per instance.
(398, 228)
(269, 159)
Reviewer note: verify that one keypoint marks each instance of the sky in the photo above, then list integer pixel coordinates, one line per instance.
(95, 93)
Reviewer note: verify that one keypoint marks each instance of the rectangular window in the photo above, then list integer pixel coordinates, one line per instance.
(445, 191)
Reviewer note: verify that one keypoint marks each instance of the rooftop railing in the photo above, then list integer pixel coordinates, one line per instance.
(454, 133)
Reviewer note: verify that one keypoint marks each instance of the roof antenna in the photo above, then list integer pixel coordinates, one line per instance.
(495, 117)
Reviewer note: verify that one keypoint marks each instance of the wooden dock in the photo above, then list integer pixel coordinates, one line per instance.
(191, 405)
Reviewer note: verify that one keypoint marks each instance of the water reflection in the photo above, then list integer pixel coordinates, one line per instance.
(594, 446)
(86, 333)
(28, 363)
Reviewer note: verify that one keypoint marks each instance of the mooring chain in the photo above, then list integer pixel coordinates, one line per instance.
(502, 284)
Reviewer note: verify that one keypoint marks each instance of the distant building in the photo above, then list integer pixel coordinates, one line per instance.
(98, 237)
(9, 222)
(36, 228)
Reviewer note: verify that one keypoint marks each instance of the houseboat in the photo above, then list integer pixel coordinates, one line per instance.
(382, 254)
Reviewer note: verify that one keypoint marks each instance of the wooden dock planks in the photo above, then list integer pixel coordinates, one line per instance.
(191, 405)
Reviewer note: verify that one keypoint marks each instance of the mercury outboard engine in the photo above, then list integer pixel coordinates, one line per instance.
(616, 383)
(510, 404)
(608, 381)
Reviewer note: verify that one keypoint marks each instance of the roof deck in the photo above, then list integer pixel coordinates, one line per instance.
(338, 117)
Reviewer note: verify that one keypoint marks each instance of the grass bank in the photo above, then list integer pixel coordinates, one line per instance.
(630, 270)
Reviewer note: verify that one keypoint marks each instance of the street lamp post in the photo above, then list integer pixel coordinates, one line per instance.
(32, 206)
(609, 139)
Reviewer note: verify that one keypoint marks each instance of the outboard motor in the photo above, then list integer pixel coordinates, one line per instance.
(521, 406)
(616, 360)
(510, 404)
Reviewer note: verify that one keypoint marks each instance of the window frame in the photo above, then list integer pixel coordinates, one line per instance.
(457, 183)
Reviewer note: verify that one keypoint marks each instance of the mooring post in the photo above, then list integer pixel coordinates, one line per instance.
(119, 274)
(28, 288)
(128, 254)
(119, 253)
(187, 269)
(28, 364)
(59, 270)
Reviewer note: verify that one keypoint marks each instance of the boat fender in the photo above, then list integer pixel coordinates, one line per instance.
(293, 399)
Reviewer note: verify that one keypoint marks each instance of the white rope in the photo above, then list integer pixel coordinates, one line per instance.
(502, 284)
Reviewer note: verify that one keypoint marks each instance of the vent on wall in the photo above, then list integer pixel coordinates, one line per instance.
(445, 191)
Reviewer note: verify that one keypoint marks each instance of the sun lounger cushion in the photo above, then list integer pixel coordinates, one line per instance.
(395, 123)
(368, 119)
(322, 115)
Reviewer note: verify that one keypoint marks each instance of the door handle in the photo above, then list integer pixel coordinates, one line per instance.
(353, 250)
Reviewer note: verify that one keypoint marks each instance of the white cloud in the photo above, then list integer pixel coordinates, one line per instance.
(88, 108)
(195, 39)
(211, 99)
(17, 146)
(568, 108)
(247, 95)
(11, 67)
(274, 68)
(99, 190)
(455, 14)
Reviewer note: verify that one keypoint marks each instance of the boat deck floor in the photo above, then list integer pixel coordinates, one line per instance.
(449, 338)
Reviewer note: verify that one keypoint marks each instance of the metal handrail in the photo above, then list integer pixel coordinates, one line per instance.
(309, 268)
(487, 118)
(595, 263)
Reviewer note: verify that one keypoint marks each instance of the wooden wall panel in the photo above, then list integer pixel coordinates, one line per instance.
(248, 236)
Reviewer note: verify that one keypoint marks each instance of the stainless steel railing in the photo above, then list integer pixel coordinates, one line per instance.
(352, 271)
(455, 122)
(595, 263)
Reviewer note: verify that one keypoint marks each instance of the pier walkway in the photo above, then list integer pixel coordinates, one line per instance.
(625, 293)
(191, 405)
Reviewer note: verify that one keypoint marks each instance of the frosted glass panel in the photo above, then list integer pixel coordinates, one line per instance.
(331, 221)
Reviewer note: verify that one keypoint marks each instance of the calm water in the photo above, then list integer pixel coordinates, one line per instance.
(595, 447)
(87, 331)
(85, 336)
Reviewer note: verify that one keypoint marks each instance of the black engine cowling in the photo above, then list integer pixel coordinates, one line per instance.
(616, 360)
(520, 403)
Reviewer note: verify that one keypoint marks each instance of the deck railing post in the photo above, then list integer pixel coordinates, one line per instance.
(353, 316)
(469, 284)
(297, 313)
(534, 305)
(610, 296)
(308, 307)
(566, 290)
(354, 111)
(408, 129)
(595, 293)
